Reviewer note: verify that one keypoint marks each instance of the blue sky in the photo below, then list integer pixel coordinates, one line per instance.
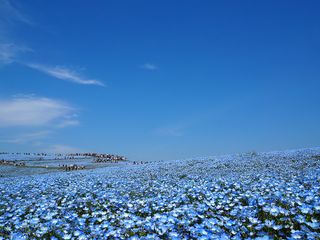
(159, 79)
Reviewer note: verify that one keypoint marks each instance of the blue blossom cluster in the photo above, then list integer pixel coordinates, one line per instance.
(248, 196)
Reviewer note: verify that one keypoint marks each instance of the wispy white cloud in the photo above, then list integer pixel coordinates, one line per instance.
(11, 12)
(175, 131)
(149, 66)
(31, 111)
(68, 123)
(9, 52)
(64, 74)
(28, 137)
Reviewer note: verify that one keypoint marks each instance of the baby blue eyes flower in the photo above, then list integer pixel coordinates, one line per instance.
(305, 209)
(277, 227)
(18, 236)
(314, 225)
(67, 236)
(77, 233)
(274, 211)
(34, 221)
(211, 199)
(266, 237)
(297, 235)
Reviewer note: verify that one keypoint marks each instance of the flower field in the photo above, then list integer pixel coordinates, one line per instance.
(246, 196)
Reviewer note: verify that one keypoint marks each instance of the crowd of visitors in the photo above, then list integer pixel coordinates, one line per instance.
(12, 163)
(102, 157)
(138, 162)
(95, 157)
(72, 167)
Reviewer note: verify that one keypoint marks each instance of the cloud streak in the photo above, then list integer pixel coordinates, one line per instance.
(64, 73)
(10, 13)
(176, 131)
(9, 51)
(149, 66)
(69, 123)
(30, 111)
(28, 137)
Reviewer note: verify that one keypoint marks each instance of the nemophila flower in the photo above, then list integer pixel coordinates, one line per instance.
(269, 223)
(34, 221)
(300, 218)
(201, 205)
(297, 235)
(274, 211)
(67, 236)
(277, 227)
(266, 237)
(314, 225)
(317, 207)
(305, 209)
(82, 237)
